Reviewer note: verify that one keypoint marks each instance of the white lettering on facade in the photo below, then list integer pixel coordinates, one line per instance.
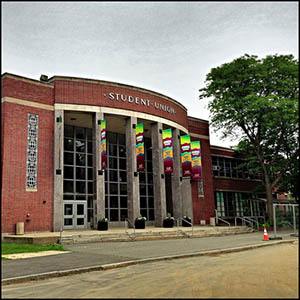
(140, 101)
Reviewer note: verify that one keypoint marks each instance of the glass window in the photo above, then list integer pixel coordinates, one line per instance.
(113, 175)
(80, 133)
(68, 186)
(80, 187)
(68, 158)
(68, 172)
(69, 144)
(123, 202)
(80, 146)
(80, 159)
(80, 173)
(68, 131)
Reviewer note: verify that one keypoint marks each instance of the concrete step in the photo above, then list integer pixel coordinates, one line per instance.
(69, 237)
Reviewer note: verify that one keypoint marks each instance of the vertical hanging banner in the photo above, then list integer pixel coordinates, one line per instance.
(140, 151)
(186, 159)
(167, 150)
(196, 160)
(103, 144)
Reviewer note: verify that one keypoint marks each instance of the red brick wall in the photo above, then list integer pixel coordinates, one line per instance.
(234, 185)
(85, 93)
(16, 202)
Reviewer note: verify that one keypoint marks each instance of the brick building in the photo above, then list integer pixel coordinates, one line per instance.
(52, 174)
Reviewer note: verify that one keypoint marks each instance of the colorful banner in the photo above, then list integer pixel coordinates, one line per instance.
(196, 161)
(167, 150)
(186, 159)
(140, 151)
(103, 145)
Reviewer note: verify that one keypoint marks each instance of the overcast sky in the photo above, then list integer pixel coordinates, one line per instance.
(167, 47)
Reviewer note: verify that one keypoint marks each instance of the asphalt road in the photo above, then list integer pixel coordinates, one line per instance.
(267, 272)
(97, 254)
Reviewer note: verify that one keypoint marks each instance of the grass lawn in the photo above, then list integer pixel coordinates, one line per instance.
(24, 248)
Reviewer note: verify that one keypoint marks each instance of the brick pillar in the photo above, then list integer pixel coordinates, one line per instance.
(158, 182)
(176, 182)
(99, 198)
(132, 176)
(58, 213)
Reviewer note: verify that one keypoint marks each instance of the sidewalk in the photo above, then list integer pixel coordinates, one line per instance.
(100, 256)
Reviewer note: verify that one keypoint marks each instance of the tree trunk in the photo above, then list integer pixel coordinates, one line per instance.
(269, 201)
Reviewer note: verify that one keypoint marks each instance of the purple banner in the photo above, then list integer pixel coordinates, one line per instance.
(196, 160)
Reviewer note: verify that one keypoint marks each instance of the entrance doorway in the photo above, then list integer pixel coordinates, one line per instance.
(75, 213)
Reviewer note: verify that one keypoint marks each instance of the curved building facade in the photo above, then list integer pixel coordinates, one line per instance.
(52, 168)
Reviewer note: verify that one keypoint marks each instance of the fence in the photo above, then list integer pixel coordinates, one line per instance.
(286, 217)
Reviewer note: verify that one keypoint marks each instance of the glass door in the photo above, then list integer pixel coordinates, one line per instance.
(75, 214)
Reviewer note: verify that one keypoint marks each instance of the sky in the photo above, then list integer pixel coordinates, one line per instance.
(166, 47)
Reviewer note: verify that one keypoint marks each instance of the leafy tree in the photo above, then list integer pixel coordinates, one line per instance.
(256, 101)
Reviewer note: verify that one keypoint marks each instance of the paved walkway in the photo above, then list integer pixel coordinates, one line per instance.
(100, 256)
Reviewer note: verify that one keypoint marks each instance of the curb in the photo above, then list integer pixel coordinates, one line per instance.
(53, 274)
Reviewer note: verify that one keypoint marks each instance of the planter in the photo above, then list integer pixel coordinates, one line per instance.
(185, 224)
(168, 223)
(139, 224)
(102, 225)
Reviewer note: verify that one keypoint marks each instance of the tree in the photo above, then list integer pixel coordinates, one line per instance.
(256, 101)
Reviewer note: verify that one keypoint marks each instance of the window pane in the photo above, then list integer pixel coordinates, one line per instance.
(80, 209)
(80, 197)
(80, 133)
(69, 144)
(143, 202)
(68, 209)
(68, 158)
(80, 187)
(124, 214)
(151, 202)
(90, 160)
(80, 159)
(90, 187)
(114, 215)
(122, 140)
(113, 202)
(150, 190)
(68, 131)
(144, 213)
(90, 147)
(142, 190)
(151, 214)
(80, 173)
(122, 151)
(112, 150)
(68, 221)
(142, 176)
(113, 163)
(123, 176)
(123, 202)
(123, 189)
(90, 174)
(68, 172)
(122, 164)
(113, 175)
(68, 186)
(112, 137)
(68, 197)
(80, 146)
(80, 221)
(89, 133)
(113, 188)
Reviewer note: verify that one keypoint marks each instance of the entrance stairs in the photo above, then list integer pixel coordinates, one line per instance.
(120, 235)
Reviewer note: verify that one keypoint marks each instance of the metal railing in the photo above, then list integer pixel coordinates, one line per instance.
(126, 229)
(218, 218)
(180, 230)
(253, 220)
(244, 220)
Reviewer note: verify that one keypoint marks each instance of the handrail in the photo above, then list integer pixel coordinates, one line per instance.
(126, 228)
(218, 218)
(243, 221)
(252, 220)
(182, 219)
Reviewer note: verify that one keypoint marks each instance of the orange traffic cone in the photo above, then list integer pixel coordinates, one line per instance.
(266, 237)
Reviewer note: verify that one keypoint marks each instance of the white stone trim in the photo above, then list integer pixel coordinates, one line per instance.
(27, 103)
(200, 136)
(117, 111)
